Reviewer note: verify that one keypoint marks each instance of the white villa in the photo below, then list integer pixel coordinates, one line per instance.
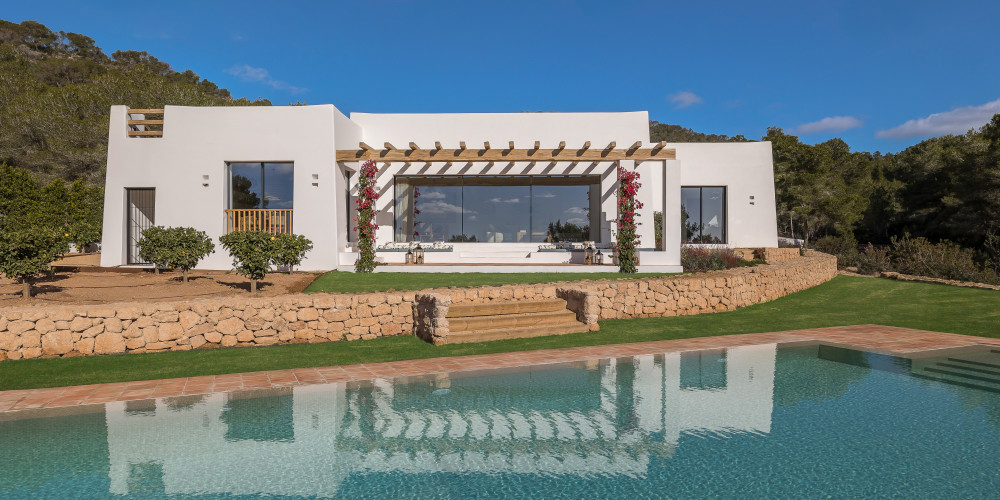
(477, 191)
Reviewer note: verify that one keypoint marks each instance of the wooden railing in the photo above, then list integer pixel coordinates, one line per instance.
(274, 221)
(144, 127)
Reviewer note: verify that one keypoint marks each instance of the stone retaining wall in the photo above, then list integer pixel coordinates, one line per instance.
(33, 332)
(938, 281)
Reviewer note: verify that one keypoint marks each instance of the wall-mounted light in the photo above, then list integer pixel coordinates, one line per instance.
(204, 181)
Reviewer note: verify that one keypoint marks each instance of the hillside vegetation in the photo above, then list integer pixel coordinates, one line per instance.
(57, 89)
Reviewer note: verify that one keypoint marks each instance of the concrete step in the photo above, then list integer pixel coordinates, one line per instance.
(495, 308)
(988, 361)
(955, 379)
(515, 333)
(520, 320)
(518, 254)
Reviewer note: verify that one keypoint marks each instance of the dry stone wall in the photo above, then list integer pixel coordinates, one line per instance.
(241, 321)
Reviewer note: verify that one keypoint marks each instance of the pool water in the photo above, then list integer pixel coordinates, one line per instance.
(769, 421)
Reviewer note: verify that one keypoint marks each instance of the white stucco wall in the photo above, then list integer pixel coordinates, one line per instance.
(745, 169)
(200, 141)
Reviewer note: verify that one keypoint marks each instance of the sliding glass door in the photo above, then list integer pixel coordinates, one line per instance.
(511, 209)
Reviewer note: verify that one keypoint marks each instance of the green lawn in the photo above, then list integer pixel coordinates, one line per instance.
(843, 301)
(338, 282)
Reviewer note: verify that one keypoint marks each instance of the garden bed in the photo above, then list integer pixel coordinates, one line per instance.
(106, 287)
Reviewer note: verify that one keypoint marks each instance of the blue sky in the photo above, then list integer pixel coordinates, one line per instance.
(880, 74)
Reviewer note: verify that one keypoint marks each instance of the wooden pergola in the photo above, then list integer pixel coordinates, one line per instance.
(491, 153)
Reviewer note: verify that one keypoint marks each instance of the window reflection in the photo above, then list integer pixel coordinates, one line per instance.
(497, 213)
(261, 185)
(703, 214)
(495, 209)
(560, 213)
(703, 370)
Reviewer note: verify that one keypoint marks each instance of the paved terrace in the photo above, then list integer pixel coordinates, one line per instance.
(875, 338)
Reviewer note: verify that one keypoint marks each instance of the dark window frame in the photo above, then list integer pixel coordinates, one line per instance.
(514, 180)
(263, 181)
(701, 214)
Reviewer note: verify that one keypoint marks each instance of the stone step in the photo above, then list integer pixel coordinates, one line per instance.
(495, 308)
(545, 318)
(514, 333)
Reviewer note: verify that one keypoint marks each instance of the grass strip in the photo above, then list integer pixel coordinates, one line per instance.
(340, 282)
(845, 300)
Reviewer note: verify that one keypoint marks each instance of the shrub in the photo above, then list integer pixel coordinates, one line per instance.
(944, 260)
(174, 247)
(627, 239)
(154, 247)
(366, 225)
(252, 253)
(873, 260)
(188, 246)
(711, 259)
(27, 253)
(289, 250)
(845, 248)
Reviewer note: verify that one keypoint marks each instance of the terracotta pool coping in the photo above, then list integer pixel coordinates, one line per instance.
(885, 339)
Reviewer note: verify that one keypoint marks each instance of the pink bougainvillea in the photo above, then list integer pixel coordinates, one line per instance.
(365, 220)
(628, 208)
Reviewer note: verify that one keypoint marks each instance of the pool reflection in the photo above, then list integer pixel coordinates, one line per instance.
(591, 418)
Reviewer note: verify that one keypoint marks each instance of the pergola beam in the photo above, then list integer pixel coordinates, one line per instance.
(390, 154)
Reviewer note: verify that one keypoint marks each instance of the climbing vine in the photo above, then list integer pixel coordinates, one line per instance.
(365, 220)
(628, 207)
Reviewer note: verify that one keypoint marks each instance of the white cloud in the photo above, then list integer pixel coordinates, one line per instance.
(433, 195)
(249, 73)
(684, 99)
(440, 207)
(576, 210)
(956, 121)
(545, 195)
(829, 124)
(578, 221)
(498, 200)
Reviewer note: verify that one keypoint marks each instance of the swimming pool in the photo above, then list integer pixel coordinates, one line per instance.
(789, 421)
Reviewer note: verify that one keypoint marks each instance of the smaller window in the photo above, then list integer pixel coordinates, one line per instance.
(261, 185)
(703, 215)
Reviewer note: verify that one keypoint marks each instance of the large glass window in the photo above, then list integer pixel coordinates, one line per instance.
(703, 214)
(511, 209)
(260, 185)
(703, 370)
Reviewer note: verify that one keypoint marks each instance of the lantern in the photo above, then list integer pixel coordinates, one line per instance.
(588, 255)
(409, 256)
(419, 254)
(598, 258)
